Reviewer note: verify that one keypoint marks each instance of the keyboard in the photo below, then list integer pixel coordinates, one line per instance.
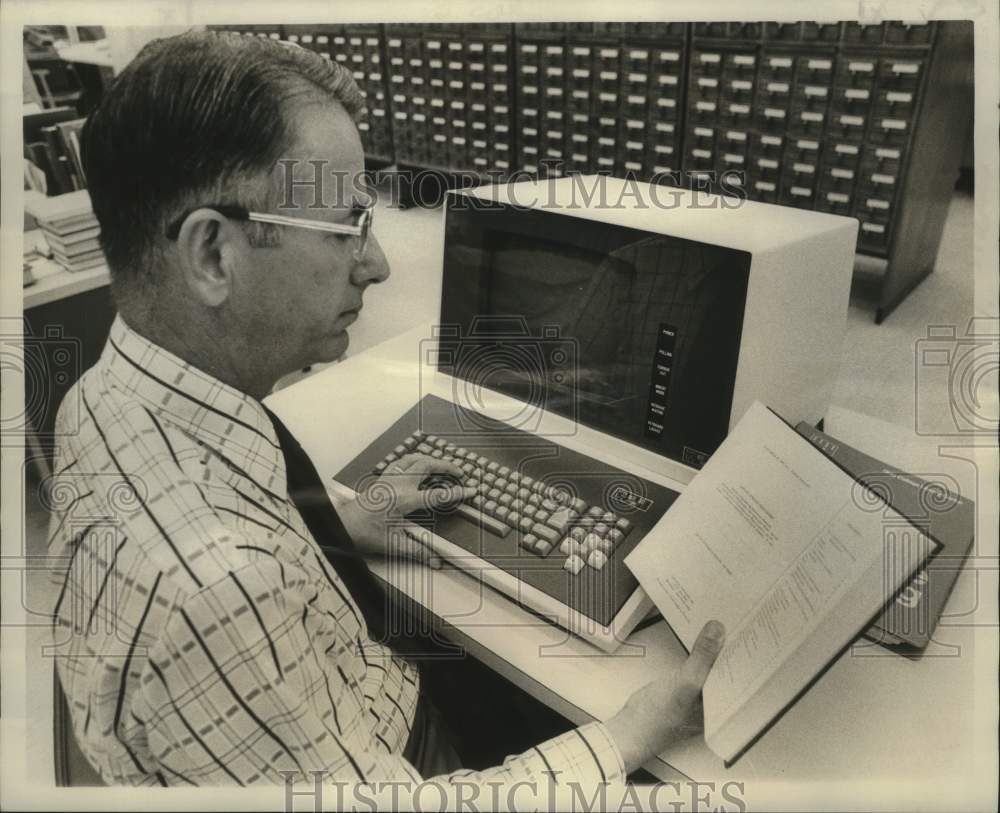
(557, 520)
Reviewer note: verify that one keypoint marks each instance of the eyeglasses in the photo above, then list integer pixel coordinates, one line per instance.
(360, 230)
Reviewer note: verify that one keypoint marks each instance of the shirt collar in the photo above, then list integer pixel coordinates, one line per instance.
(200, 405)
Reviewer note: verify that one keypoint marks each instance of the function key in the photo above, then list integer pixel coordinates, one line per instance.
(390, 457)
(381, 467)
(623, 525)
(423, 448)
(418, 435)
(410, 443)
(399, 450)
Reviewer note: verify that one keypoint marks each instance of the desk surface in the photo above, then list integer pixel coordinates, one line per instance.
(90, 53)
(873, 716)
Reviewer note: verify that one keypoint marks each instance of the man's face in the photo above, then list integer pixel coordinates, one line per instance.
(296, 300)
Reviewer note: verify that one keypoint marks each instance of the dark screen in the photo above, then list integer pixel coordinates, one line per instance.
(633, 333)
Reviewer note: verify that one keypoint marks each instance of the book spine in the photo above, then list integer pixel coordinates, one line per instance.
(38, 155)
(53, 146)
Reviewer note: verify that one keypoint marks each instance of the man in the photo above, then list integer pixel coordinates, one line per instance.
(203, 636)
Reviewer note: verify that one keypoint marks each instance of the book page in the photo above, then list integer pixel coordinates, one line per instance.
(768, 538)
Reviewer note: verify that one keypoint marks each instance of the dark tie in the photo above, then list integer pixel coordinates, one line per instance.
(310, 497)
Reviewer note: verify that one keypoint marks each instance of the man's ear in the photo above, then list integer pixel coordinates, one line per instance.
(208, 245)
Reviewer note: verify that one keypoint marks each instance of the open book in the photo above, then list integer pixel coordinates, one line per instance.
(786, 549)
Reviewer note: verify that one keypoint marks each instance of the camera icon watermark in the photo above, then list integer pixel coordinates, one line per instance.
(538, 371)
(48, 363)
(964, 367)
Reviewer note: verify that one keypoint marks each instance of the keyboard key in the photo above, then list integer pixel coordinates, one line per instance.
(423, 448)
(543, 548)
(574, 564)
(592, 542)
(514, 477)
(526, 524)
(487, 522)
(418, 436)
(468, 468)
(431, 439)
(501, 512)
(381, 467)
(597, 560)
(410, 443)
(490, 507)
(527, 482)
(560, 519)
(595, 511)
(500, 483)
(490, 478)
(560, 496)
(535, 500)
(528, 510)
(609, 518)
(579, 534)
(542, 532)
(461, 452)
(440, 443)
(471, 482)
(523, 493)
(505, 499)
(528, 541)
(512, 488)
(606, 547)
(623, 525)
(399, 450)
(495, 494)
(601, 529)
(482, 461)
(615, 537)
(578, 505)
(492, 466)
(504, 471)
(549, 505)
(437, 453)
(517, 505)
(478, 501)
(541, 515)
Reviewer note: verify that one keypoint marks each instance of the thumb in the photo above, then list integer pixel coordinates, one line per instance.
(699, 663)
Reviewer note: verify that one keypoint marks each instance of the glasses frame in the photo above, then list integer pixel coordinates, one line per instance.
(361, 230)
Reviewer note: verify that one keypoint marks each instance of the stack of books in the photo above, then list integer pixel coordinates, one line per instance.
(70, 227)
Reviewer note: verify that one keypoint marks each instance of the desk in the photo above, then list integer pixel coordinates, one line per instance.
(87, 53)
(873, 717)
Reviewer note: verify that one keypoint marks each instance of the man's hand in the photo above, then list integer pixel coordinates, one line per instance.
(666, 711)
(397, 493)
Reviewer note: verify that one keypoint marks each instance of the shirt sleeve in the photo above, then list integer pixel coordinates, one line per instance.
(244, 686)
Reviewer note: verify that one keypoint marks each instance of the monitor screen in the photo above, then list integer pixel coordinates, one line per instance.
(633, 333)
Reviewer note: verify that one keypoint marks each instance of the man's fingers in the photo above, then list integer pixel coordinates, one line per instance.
(442, 496)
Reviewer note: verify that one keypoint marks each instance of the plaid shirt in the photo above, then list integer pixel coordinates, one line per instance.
(201, 636)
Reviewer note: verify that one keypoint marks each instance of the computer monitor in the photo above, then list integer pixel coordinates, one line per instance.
(649, 313)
